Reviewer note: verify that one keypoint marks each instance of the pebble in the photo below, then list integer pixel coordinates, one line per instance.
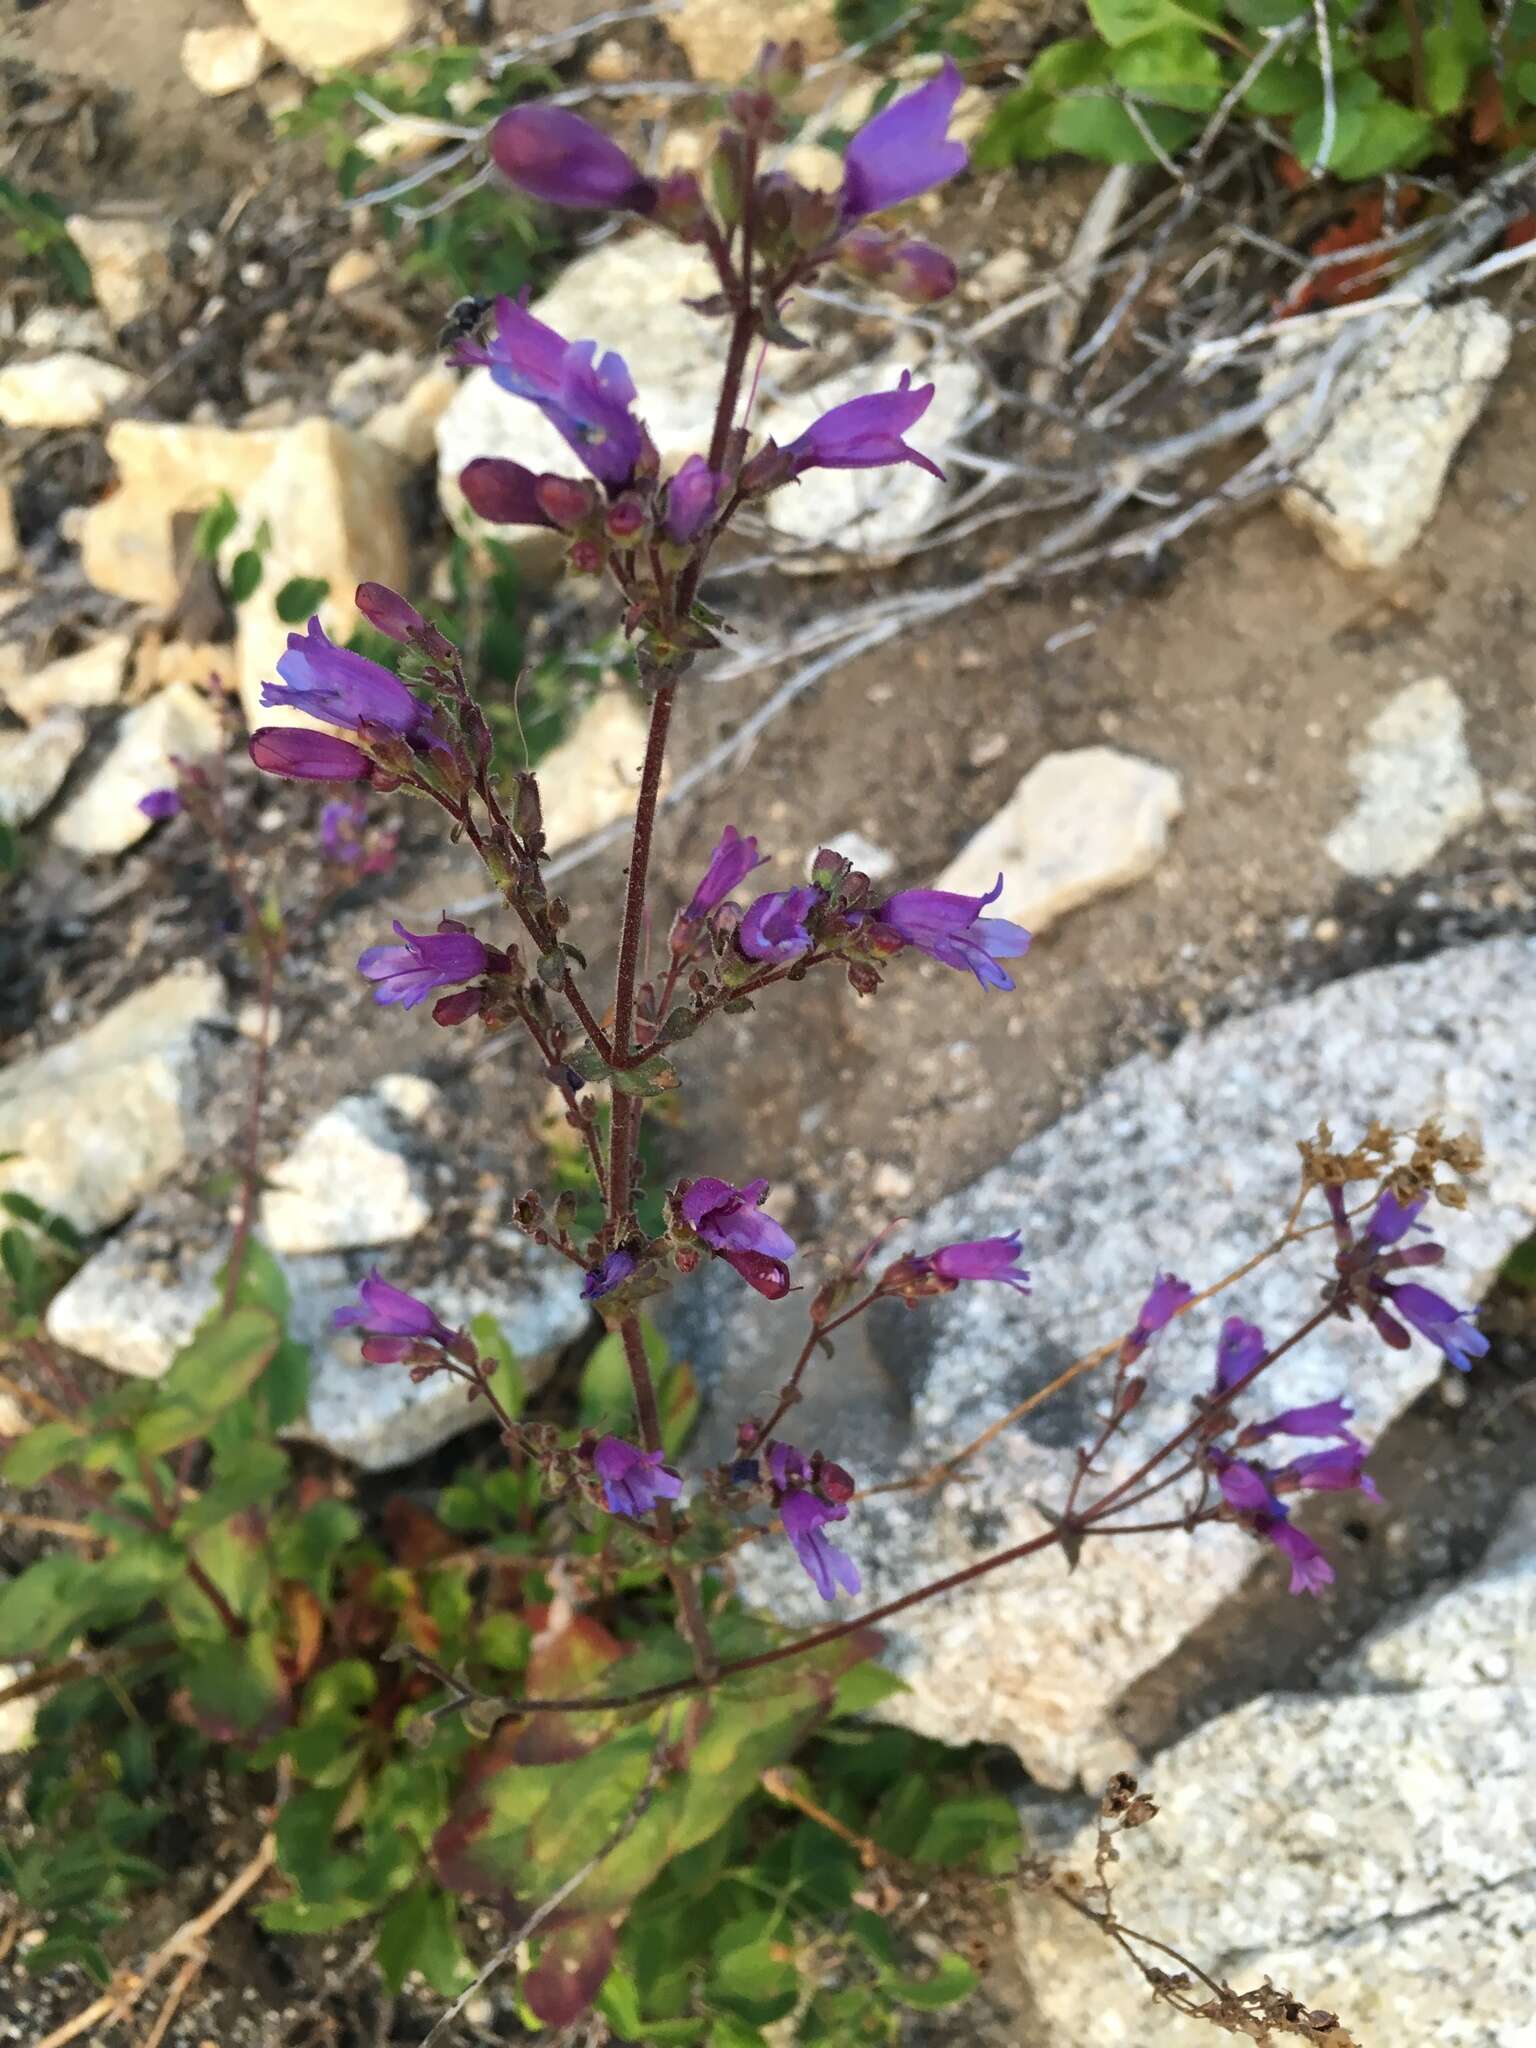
(1418, 787)
(129, 262)
(63, 390)
(34, 763)
(321, 36)
(75, 682)
(224, 59)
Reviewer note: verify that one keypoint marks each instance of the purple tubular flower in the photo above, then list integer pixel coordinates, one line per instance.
(982, 1258)
(633, 1480)
(1323, 1418)
(692, 496)
(774, 926)
(951, 930)
(565, 161)
(1310, 1570)
(408, 974)
(904, 150)
(616, 1268)
(865, 433)
(385, 1311)
(160, 803)
(1339, 1470)
(343, 688)
(584, 397)
(732, 861)
(304, 756)
(804, 1516)
(1169, 1294)
(503, 492)
(1244, 1487)
(1438, 1320)
(730, 1221)
(1391, 1219)
(388, 613)
(1238, 1350)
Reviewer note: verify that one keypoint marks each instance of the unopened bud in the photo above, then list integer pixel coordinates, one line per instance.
(388, 613)
(565, 500)
(527, 807)
(625, 519)
(862, 978)
(680, 208)
(866, 252)
(458, 1008)
(586, 557)
(836, 1483)
(920, 274)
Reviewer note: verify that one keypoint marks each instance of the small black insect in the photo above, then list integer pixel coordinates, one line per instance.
(463, 322)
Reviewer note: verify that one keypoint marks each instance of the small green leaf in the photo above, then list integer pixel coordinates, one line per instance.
(419, 1933)
(237, 1690)
(1123, 21)
(299, 597)
(864, 1687)
(953, 1980)
(214, 527)
(256, 1475)
(222, 1362)
(41, 1451)
(244, 575)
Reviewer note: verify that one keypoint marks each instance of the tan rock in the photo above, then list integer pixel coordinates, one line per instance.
(400, 140)
(352, 269)
(33, 764)
(591, 778)
(330, 499)
(721, 38)
(317, 36)
(125, 546)
(224, 59)
(408, 425)
(105, 817)
(610, 63)
(129, 262)
(63, 390)
(1080, 824)
(100, 1119)
(77, 682)
(10, 546)
(202, 663)
(813, 165)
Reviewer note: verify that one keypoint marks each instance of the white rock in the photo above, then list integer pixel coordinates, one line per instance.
(1370, 485)
(875, 861)
(48, 328)
(1188, 1163)
(593, 776)
(626, 295)
(34, 763)
(369, 380)
(102, 1118)
(399, 140)
(143, 1294)
(1080, 824)
(63, 390)
(1369, 1851)
(163, 469)
(224, 59)
(349, 1181)
(869, 515)
(721, 38)
(1418, 787)
(10, 545)
(105, 816)
(330, 499)
(317, 36)
(1000, 277)
(76, 682)
(413, 1098)
(129, 262)
(18, 1718)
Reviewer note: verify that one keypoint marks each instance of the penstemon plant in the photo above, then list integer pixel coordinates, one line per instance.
(621, 1766)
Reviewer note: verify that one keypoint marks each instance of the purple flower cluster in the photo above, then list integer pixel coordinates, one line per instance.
(342, 688)
(808, 1494)
(393, 1322)
(1397, 1307)
(633, 1480)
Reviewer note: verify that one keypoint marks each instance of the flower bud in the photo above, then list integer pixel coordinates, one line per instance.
(457, 1008)
(564, 160)
(304, 756)
(862, 978)
(829, 867)
(728, 176)
(565, 501)
(920, 274)
(769, 467)
(388, 613)
(504, 492)
(527, 809)
(680, 208)
(836, 1483)
(813, 217)
(866, 253)
(625, 519)
(586, 557)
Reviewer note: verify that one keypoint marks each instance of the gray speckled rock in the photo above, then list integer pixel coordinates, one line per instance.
(1369, 1851)
(1418, 787)
(144, 1293)
(1187, 1163)
(352, 1179)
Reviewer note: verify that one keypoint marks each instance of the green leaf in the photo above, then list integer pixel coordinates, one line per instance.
(308, 1547)
(507, 1382)
(419, 1932)
(678, 1401)
(299, 597)
(1123, 21)
(953, 1980)
(655, 1076)
(41, 1451)
(960, 1830)
(864, 1687)
(1175, 68)
(244, 575)
(1098, 127)
(222, 1362)
(256, 1475)
(214, 527)
(59, 1596)
(503, 1641)
(59, 1228)
(1447, 68)
(237, 1690)
(607, 1393)
(1283, 89)
(305, 1832)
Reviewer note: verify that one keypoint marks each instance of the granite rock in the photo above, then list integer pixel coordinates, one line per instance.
(354, 1178)
(104, 817)
(1418, 787)
(318, 36)
(34, 763)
